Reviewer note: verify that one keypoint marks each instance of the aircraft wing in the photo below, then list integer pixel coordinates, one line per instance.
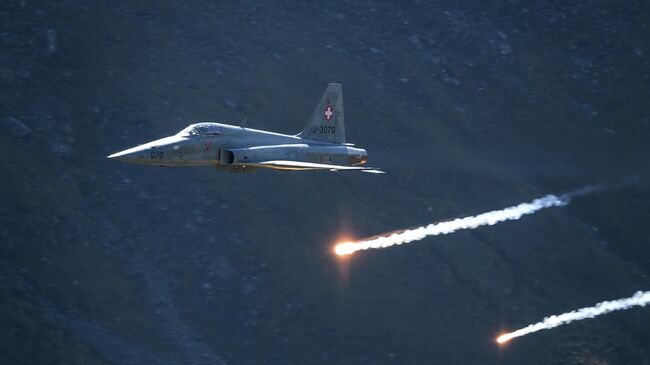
(298, 165)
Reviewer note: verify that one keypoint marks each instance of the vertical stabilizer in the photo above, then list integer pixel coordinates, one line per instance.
(326, 123)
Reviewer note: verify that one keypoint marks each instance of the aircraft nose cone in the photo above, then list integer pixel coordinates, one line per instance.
(133, 155)
(116, 155)
(152, 153)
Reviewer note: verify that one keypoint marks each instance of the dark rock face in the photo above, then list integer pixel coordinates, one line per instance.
(469, 106)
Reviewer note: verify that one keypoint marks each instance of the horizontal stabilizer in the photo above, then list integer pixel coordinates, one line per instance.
(299, 165)
(373, 171)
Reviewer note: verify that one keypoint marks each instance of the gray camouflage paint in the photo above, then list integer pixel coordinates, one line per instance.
(320, 146)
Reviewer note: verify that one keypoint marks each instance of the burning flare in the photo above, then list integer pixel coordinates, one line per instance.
(640, 298)
(434, 229)
(485, 219)
(345, 248)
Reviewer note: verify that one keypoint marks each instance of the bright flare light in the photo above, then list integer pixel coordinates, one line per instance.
(485, 219)
(434, 229)
(639, 298)
(345, 248)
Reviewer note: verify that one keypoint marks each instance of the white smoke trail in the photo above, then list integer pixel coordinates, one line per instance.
(640, 298)
(489, 218)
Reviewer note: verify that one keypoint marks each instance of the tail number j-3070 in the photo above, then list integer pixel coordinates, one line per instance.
(323, 129)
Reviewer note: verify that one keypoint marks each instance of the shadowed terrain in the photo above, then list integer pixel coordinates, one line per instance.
(468, 106)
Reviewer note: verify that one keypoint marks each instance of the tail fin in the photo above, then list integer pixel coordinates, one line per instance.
(326, 123)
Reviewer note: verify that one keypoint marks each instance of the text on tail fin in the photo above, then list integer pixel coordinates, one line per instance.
(327, 121)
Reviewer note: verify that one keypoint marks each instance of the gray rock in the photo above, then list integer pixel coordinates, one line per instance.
(449, 80)
(415, 41)
(505, 48)
(15, 126)
(61, 149)
(52, 41)
(248, 287)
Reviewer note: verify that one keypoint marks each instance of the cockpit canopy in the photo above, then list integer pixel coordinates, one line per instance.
(202, 129)
(190, 131)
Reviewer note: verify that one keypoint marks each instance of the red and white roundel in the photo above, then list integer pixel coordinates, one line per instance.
(328, 113)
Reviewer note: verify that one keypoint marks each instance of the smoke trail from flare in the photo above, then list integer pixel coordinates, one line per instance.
(489, 218)
(640, 298)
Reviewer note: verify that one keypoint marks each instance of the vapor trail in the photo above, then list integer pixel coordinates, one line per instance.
(489, 218)
(640, 298)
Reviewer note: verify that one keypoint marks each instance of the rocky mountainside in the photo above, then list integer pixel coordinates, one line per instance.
(469, 106)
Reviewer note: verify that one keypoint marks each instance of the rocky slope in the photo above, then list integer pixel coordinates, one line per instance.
(469, 107)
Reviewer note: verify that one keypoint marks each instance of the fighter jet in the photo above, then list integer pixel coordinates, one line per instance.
(320, 146)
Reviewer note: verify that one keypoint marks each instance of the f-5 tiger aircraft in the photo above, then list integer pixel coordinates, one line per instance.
(320, 146)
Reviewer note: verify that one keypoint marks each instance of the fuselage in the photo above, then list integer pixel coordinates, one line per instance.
(236, 148)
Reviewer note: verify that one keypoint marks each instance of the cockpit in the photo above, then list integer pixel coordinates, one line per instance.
(190, 131)
(201, 129)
